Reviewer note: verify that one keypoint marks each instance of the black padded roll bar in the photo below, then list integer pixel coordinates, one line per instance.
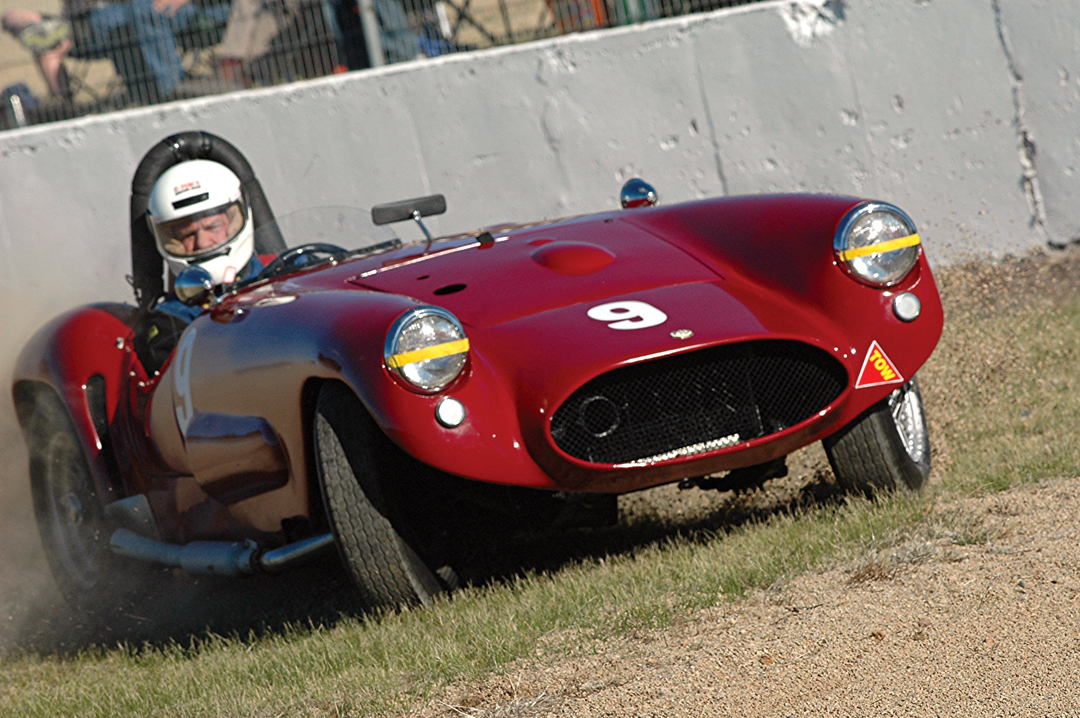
(146, 265)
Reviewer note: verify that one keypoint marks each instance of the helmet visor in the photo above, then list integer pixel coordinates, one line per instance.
(202, 234)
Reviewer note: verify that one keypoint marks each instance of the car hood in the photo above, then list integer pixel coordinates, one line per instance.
(533, 271)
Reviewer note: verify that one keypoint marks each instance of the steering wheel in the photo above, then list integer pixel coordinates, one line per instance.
(302, 257)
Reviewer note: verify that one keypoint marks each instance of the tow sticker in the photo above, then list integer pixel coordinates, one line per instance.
(877, 369)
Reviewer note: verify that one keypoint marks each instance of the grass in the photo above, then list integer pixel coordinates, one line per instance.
(1001, 399)
(363, 667)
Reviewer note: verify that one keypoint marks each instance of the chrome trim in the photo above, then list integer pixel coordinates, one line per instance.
(279, 559)
(193, 286)
(212, 558)
(853, 215)
(218, 558)
(906, 407)
(721, 443)
(394, 334)
(849, 219)
(449, 423)
(637, 193)
(907, 307)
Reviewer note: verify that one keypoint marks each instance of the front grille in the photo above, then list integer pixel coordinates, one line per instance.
(697, 402)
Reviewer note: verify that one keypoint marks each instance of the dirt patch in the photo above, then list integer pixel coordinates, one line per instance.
(935, 627)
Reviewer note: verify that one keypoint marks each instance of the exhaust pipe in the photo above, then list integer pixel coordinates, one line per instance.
(218, 558)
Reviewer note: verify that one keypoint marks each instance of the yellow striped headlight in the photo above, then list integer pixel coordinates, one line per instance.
(427, 348)
(877, 243)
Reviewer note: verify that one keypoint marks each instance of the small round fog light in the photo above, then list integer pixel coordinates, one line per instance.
(450, 413)
(907, 306)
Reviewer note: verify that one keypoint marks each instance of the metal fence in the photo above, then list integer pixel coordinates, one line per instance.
(88, 56)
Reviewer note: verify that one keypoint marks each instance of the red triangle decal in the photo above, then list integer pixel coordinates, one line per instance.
(877, 369)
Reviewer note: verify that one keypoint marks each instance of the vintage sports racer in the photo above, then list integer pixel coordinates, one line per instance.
(367, 399)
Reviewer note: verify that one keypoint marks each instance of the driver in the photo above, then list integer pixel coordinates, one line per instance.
(199, 216)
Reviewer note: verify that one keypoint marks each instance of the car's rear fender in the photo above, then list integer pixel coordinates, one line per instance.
(78, 358)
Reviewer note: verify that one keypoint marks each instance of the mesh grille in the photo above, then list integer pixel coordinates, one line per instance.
(697, 402)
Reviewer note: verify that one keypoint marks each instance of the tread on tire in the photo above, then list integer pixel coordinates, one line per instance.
(870, 454)
(356, 464)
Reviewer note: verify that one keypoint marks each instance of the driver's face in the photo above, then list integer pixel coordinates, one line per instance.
(204, 233)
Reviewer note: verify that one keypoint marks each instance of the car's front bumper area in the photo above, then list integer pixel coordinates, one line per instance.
(733, 377)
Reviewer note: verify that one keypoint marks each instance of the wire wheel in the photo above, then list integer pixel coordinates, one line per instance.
(905, 404)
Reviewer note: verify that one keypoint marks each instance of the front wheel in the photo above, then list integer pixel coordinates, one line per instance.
(885, 448)
(359, 469)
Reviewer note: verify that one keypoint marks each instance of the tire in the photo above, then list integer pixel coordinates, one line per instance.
(358, 468)
(70, 514)
(885, 448)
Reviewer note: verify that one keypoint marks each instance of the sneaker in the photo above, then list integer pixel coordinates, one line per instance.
(45, 35)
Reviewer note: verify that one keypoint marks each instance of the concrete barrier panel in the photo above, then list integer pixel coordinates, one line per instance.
(909, 102)
(935, 103)
(1042, 40)
(885, 100)
(783, 104)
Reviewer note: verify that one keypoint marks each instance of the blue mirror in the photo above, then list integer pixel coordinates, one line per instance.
(638, 193)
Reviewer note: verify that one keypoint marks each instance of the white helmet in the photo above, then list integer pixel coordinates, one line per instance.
(199, 216)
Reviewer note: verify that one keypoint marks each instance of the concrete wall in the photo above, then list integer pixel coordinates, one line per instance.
(964, 112)
(923, 103)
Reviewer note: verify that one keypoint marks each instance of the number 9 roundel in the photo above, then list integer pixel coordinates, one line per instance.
(628, 315)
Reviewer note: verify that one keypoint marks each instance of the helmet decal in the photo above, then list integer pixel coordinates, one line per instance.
(187, 202)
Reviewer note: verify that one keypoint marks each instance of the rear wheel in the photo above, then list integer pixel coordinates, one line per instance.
(359, 469)
(885, 448)
(69, 512)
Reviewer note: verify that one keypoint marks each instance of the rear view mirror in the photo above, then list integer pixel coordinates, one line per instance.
(638, 193)
(408, 209)
(193, 286)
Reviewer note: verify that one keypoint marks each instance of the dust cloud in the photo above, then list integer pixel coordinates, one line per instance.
(174, 606)
(26, 585)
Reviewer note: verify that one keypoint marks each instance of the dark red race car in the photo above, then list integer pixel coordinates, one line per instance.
(366, 399)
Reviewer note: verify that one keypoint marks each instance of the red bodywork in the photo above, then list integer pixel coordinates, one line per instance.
(241, 380)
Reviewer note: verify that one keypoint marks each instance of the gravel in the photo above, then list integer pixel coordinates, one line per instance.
(990, 627)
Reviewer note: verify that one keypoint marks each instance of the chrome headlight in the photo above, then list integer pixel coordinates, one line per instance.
(877, 243)
(426, 347)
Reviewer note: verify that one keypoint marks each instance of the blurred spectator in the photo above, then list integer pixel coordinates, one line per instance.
(48, 39)
(251, 27)
(573, 15)
(400, 42)
(152, 27)
(261, 41)
(258, 28)
(139, 36)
